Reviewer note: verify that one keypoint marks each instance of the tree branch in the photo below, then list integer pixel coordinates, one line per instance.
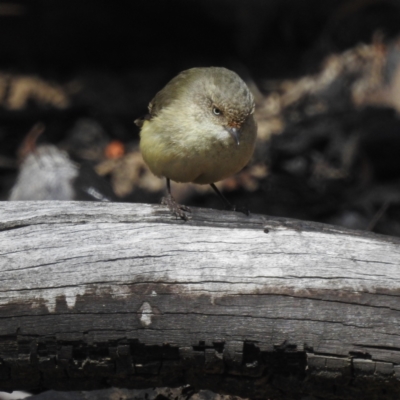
(96, 295)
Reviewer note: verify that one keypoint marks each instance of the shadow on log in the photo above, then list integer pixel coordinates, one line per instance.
(94, 295)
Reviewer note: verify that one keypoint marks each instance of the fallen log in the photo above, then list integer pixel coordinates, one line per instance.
(94, 295)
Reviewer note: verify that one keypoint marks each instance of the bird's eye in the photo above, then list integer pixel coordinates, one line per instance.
(217, 111)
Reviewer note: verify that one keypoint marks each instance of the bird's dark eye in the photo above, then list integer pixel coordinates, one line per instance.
(217, 111)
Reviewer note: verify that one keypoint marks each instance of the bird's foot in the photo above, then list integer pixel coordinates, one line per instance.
(228, 205)
(241, 209)
(178, 210)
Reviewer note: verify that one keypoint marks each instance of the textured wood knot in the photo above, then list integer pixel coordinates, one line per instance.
(146, 314)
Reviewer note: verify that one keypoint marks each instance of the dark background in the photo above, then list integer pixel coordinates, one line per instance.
(112, 57)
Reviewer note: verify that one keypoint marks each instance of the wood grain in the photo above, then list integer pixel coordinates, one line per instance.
(101, 294)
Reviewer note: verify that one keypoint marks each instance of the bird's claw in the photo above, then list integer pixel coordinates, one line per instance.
(178, 210)
(241, 209)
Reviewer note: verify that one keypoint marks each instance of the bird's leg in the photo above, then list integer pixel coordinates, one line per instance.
(176, 209)
(228, 204)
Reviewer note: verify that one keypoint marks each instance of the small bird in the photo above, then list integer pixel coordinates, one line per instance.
(200, 128)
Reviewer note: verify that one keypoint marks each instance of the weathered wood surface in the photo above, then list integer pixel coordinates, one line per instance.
(100, 294)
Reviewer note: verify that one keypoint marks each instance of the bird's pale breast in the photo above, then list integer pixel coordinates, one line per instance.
(186, 151)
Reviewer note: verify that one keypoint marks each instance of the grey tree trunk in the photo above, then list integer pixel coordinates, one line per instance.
(95, 295)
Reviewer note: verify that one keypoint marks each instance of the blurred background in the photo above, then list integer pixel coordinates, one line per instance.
(74, 75)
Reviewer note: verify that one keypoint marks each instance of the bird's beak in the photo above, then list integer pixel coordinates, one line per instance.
(234, 132)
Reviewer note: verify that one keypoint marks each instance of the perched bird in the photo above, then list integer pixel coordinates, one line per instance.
(200, 128)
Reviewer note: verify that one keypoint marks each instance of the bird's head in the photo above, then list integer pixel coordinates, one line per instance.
(224, 101)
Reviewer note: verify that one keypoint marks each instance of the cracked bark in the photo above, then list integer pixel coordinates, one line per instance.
(94, 295)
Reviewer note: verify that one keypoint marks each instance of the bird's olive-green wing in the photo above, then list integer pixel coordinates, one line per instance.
(173, 89)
